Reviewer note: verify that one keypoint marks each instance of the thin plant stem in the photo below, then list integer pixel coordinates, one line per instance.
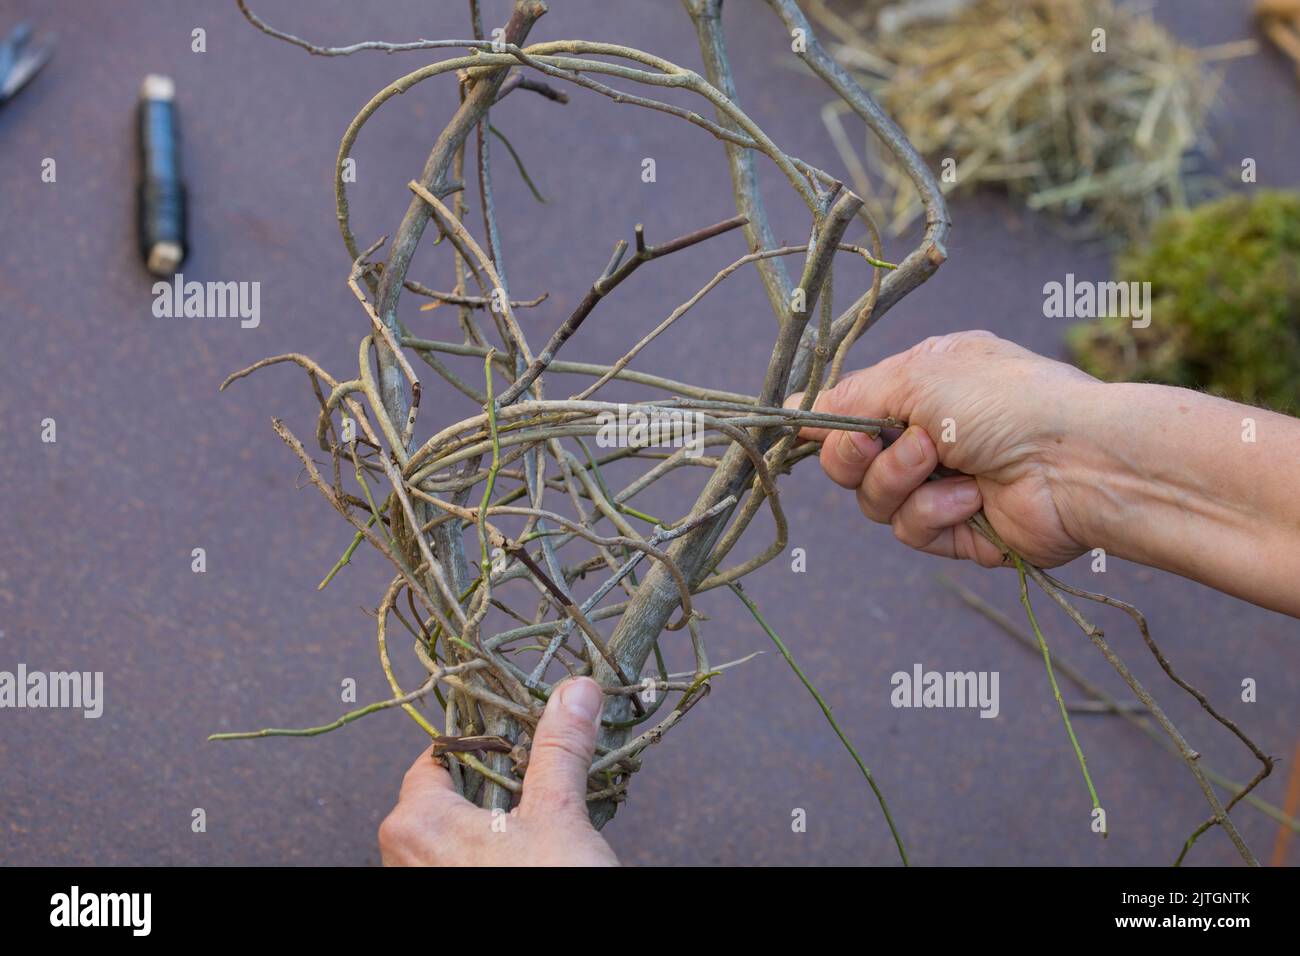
(826, 710)
(1056, 690)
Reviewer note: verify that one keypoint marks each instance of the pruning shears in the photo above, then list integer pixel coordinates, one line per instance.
(20, 59)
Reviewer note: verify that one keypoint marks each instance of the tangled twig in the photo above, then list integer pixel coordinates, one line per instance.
(490, 659)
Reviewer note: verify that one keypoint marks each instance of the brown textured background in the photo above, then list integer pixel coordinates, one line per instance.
(151, 462)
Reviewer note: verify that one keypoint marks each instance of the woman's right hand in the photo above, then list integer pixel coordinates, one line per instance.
(975, 404)
(1062, 463)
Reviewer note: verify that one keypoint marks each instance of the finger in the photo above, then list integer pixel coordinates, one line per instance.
(428, 793)
(895, 473)
(426, 780)
(965, 543)
(556, 779)
(875, 392)
(845, 456)
(926, 519)
(807, 432)
(428, 814)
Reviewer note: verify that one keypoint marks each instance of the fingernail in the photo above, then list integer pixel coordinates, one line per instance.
(856, 449)
(965, 493)
(911, 447)
(582, 698)
(793, 400)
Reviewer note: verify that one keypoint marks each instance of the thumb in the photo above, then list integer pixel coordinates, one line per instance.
(556, 779)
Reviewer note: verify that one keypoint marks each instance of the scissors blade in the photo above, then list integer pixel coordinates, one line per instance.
(19, 61)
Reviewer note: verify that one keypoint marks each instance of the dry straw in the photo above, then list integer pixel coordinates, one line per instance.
(1082, 108)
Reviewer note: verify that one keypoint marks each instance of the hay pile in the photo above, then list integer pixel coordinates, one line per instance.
(1083, 108)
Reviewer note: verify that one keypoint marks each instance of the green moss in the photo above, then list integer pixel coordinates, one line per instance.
(1225, 303)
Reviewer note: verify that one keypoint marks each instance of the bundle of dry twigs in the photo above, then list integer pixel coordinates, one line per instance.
(510, 545)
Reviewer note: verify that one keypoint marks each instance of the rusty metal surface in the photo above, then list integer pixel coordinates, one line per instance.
(151, 462)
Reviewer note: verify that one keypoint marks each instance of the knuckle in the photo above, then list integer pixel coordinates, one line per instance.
(903, 530)
(930, 343)
(565, 746)
(393, 830)
(937, 344)
(955, 342)
(869, 506)
(972, 337)
(837, 399)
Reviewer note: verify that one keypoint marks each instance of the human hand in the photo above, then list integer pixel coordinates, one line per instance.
(978, 405)
(432, 825)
